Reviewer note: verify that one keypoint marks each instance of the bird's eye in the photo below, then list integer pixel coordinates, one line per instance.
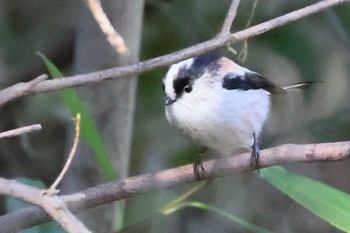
(188, 88)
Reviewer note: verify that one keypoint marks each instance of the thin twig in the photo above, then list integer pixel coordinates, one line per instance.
(20, 131)
(136, 185)
(113, 37)
(52, 190)
(243, 54)
(38, 79)
(165, 60)
(230, 17)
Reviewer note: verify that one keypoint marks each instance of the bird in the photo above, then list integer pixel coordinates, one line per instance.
(219, 104)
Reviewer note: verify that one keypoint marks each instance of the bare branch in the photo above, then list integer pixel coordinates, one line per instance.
(113, 37)
(53, 205)
(19, 131)
(56, 207)
(20, 89)
(230, 17)
(132, 186)
(84, 79)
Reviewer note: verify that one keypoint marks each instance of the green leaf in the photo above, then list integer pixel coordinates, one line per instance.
(245, 224)
(326, 202)
(88, 129)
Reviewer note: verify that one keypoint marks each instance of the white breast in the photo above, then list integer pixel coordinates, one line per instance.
(223, 120)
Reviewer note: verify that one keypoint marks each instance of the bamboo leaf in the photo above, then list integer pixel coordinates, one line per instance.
(328, 203)
(88, 129)
(244, 224)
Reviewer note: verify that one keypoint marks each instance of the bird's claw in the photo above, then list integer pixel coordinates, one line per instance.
(255, 154)
(198, 167)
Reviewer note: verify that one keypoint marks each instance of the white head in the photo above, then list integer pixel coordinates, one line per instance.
(184, 76)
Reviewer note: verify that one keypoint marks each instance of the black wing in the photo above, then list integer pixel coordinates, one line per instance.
(250, 81)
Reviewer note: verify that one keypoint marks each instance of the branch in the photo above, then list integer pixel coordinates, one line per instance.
(165, 60)
(53, 205)
(20, 131)
(137, 185)
(52, 189)
(113, 37)
(20, 89)
(230, 17)
(244, 52)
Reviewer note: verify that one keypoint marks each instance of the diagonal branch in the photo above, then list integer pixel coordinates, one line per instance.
(230, 17)
(53, 205)
(113, 37)
(137, 185)
(165, 60)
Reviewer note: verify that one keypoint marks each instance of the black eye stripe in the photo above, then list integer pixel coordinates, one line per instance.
(179, 85)
(188, 75)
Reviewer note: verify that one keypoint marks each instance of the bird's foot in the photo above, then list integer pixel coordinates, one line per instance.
(255, 153)
(198, 167)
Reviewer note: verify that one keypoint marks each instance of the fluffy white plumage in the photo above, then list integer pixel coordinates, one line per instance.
(217, 103)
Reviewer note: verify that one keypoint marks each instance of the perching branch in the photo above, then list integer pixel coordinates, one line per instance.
(137, 185)
(165, 60)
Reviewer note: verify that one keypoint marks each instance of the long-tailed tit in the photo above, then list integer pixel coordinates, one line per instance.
(219, 104)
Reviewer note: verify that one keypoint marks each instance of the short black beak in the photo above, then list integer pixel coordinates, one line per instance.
(169, 101)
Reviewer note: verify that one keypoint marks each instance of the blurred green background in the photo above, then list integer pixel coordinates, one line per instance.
(316, 48)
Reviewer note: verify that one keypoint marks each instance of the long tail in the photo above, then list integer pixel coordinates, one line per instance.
(301, 85)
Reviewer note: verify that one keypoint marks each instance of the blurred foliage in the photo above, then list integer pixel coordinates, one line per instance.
(27, 27)
(244, 224)
(315, 48)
